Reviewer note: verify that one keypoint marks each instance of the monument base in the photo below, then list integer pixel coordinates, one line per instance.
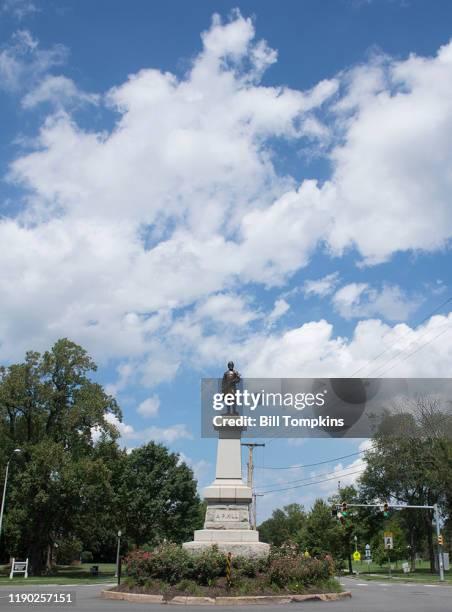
(251, 550)
(243, 542)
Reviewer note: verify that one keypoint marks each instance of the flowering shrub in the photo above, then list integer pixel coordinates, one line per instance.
(250, 568)
(168, 562)
(208, 565)
(299, 569)
(287, 549)
(171, 564)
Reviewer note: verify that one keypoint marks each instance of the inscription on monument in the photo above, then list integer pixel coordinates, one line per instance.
(227, 516)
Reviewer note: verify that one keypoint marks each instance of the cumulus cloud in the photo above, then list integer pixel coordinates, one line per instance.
(361, 300)
(130, 437)
(279, 309)
(321, 287)
(58, 90)
(395, 156)
(312, 350)
(149, 407)
(23, 62)
(140, 241)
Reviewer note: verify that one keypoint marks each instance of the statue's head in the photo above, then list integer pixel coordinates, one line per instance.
(230, 365)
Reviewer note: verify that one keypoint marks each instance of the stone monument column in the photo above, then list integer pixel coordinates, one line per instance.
(227, 523)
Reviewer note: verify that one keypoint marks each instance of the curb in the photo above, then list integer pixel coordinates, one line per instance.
(186, 600)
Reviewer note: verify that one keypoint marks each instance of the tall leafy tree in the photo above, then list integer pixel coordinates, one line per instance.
(413, 467)
(321, 533)
(157, 494)
(50, 407)
(284, 525)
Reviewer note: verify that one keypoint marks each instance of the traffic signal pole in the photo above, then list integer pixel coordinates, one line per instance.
(440, 545)
(402, 507)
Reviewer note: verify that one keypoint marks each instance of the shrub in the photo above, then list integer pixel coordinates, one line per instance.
(68, 550)
(209, 565)
(286, 550)
(168, 562)
(299, 570)
(171, 564)
(86, 556)
(248, 567)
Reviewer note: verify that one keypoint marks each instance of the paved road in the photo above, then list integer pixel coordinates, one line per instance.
(366, 597)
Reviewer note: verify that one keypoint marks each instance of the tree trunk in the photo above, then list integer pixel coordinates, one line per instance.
(49, 559)
(36, 559)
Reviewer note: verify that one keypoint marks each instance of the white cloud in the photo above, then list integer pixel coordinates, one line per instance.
(19, 9)
(226, 309)
(140, 241)
(312, 350)
(394, 157)
(60, 91)
(279, 309)
(129, 436)
(23, 62)
(360, 300)
(321, 287)
(149, 407)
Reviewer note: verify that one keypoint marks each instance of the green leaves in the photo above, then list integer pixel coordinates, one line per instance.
(158, 496)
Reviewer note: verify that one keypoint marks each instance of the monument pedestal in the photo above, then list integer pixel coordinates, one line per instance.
(227, 523)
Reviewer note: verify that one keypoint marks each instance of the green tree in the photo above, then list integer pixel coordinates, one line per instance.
(49, 407)
(321, 533)
(351, 526)
(284, 525)
(157, 495)
(414, 468)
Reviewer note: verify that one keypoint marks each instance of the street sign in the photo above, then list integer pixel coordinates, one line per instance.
(367, 551)
(388, 540)
(356, 556)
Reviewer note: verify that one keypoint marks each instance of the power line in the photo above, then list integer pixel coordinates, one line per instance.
(430, 314)
(293, 467)
(271, 484)
(419, 348)
(310, 483)
(385, 363)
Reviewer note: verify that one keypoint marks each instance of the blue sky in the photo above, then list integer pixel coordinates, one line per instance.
(269, 184)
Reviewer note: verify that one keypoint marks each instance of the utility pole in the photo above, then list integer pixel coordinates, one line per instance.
(16, 450)
(251, 446)
(254, 513)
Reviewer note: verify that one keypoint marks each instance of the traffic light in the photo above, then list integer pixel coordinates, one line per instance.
(440, 540)
(386, 510)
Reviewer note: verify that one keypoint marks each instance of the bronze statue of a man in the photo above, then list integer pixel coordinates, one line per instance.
(231, 378)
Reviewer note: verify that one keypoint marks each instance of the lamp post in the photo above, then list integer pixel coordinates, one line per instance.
(118, 569)
(16, 450)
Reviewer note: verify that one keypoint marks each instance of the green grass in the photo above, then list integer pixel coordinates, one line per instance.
(421, 574)
(65, 574)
